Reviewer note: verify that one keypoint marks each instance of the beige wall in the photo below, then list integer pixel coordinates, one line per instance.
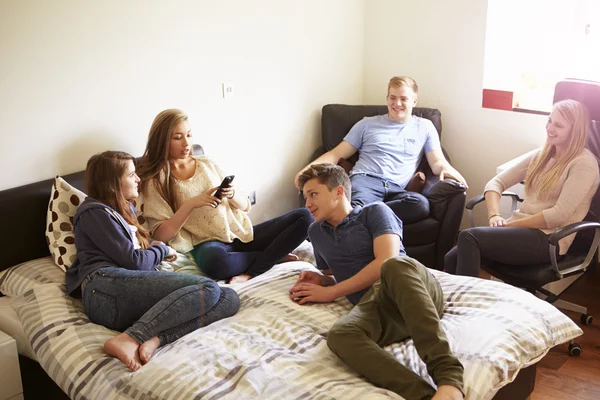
(79, 77)
(441, 44)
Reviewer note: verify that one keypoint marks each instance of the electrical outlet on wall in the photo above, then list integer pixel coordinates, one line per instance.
(252, 197)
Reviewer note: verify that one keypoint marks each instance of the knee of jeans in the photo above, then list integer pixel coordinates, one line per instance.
(397, 267)
(423, 204)
(466, 237)
(209, 285)
(232, 299)
(211, 255)
(450, 260)
(305, 217)
(340, 334)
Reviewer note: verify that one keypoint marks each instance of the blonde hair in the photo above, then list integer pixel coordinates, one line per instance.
(155, 165)
(578, 117)
(399, 81)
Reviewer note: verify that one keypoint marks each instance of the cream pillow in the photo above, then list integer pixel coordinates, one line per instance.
(19, 279)
(60, 235)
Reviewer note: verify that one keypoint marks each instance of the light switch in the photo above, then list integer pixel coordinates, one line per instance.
(228, 90)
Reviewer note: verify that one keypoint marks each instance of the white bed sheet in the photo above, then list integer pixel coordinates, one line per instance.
(10, 323)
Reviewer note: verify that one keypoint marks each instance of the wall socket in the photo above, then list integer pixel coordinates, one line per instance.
(252, 197)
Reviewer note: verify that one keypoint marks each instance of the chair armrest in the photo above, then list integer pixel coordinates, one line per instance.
(474, 201)
(569, 230)
(481, 198)
(478, 199)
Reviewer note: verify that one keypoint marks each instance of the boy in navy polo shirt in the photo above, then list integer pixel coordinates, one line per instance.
(391, 147)
(361, 255)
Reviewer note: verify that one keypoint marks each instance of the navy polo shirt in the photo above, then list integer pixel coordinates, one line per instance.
(348, 248)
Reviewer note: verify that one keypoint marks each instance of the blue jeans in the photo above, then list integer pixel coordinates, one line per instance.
(273, 240)
(145, 304)
(410, 207)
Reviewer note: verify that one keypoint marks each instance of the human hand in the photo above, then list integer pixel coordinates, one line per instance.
(497, 220)
(172, 256)
(228, 192)
(205, 199)
(155, 242)
(309, 277)
(454, 174)
(309, 292)
(448, 392)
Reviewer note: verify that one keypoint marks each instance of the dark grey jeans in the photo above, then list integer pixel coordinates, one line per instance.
(273, 239)
(508, 245)
(145, 304)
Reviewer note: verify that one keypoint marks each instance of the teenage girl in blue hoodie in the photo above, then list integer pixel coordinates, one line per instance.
(116, 270)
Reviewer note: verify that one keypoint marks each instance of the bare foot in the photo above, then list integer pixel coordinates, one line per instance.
(148, 348)
(448, 392)
(125, 348)
(240, 278)
(288, 258)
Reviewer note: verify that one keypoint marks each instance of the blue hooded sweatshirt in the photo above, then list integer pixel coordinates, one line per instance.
(104, 239)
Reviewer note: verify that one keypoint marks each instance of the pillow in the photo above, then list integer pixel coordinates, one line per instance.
(60, 236)
(305, 252)
(23, 277)
(416, 183)
(184, 263)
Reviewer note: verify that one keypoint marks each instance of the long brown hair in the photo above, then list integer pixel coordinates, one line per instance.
(154, 165)
(578, 117)
(103, 175)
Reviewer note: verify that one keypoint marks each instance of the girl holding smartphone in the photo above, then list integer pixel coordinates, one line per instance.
(182, 209)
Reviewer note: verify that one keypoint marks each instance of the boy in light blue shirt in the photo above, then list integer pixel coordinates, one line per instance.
(390, 148)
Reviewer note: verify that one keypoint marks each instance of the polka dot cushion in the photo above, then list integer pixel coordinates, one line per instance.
(60, 235)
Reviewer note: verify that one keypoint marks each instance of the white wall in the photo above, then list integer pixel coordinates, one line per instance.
(78, 78)
(441, 44)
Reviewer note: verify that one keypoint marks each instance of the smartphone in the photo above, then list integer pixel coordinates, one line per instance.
(226, 182)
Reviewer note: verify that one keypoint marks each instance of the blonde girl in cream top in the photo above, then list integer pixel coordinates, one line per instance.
(560, 182)
(181, 209)
(224, 223)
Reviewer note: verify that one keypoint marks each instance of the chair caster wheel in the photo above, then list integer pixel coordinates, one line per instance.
(575, 350)
(586, 319)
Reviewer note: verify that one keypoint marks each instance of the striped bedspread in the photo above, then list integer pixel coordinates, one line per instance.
(276, 349)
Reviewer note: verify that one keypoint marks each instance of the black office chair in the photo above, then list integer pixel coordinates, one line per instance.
(583, 253)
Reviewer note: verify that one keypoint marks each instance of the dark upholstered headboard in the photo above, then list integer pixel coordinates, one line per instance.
(23, 214)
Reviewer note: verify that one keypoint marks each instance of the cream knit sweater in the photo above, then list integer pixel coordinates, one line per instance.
(224, 223)
(567, 203)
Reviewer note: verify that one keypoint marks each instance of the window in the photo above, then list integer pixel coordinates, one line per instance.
(532, 44)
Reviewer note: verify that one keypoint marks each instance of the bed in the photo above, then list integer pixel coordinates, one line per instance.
(273, 348)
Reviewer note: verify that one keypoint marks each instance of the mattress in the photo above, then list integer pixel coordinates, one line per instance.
(11, 325)
(274, 348)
